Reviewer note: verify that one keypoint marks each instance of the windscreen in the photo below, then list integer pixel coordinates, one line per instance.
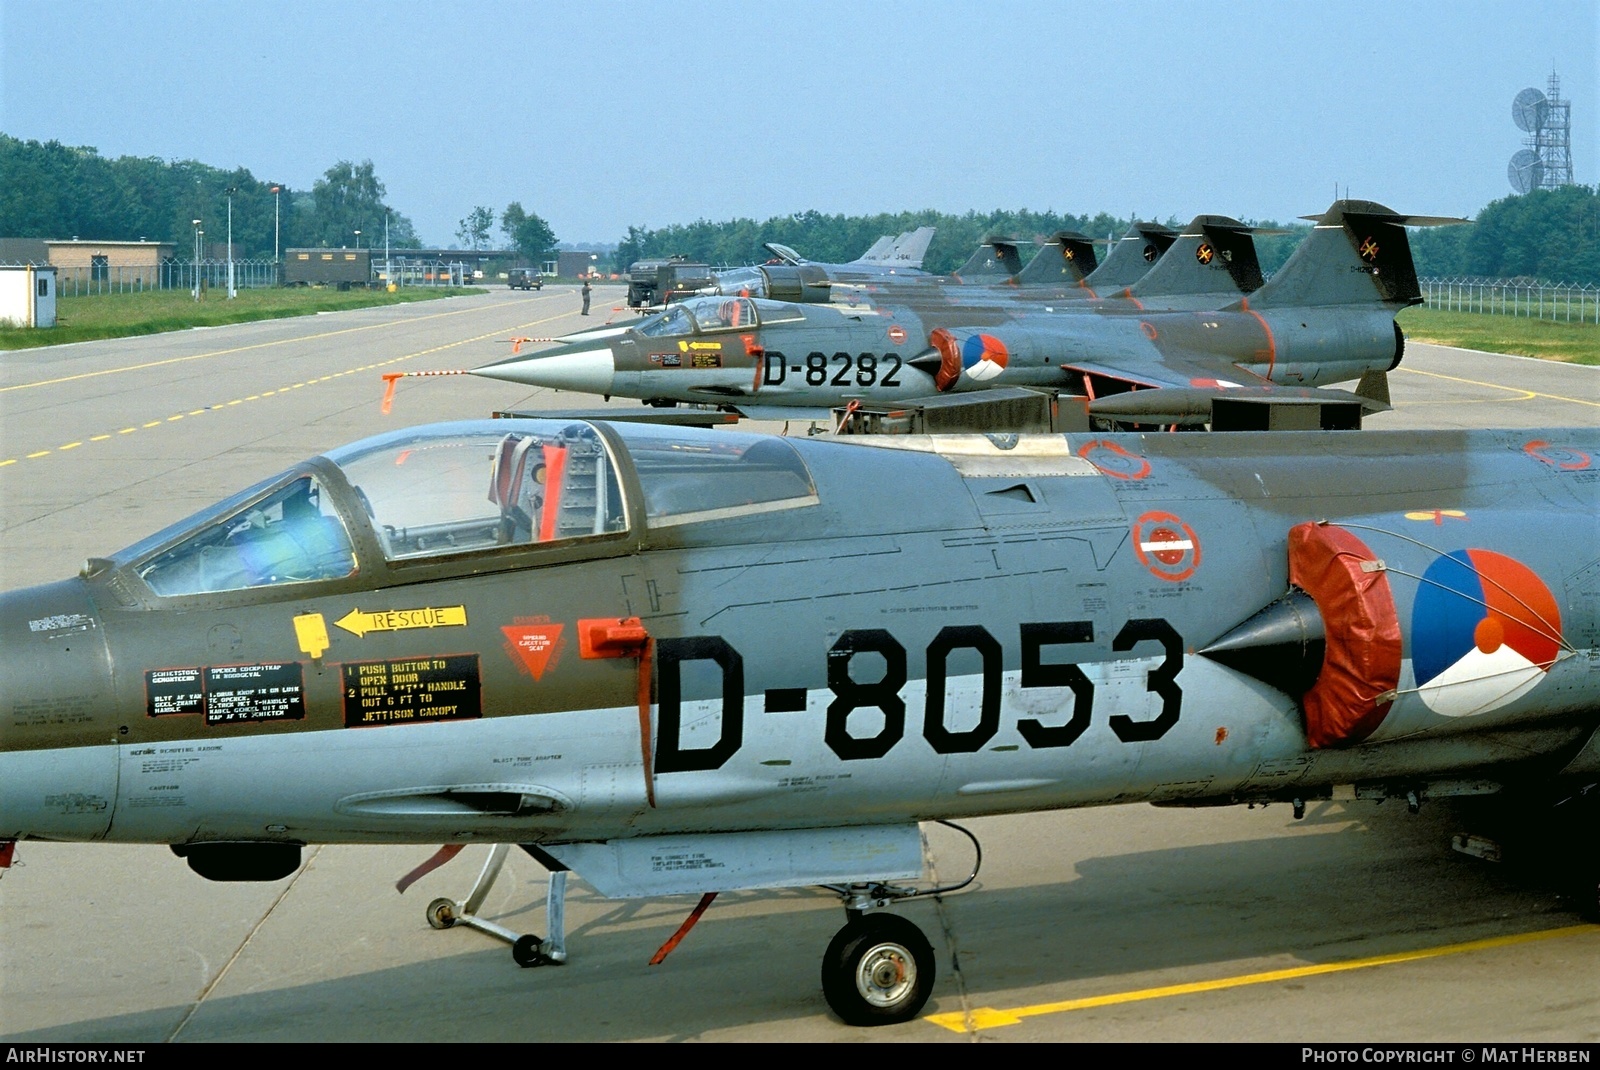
(673, 322)
(290, 535)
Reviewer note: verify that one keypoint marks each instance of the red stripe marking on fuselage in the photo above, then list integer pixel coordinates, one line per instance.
(1272, 343)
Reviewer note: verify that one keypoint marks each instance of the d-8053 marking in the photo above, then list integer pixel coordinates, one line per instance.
(883, 694)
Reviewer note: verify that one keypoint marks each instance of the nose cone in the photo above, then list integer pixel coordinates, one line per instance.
(586, 366)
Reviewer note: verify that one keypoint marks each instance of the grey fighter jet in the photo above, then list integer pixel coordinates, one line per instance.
(1328, 316)
(676, 661)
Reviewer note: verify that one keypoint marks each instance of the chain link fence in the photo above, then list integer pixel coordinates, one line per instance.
(1563, 302)
(408, 271)
(247, 274)
(167, 275)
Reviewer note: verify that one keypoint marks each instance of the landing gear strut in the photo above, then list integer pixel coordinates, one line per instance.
(526, 949)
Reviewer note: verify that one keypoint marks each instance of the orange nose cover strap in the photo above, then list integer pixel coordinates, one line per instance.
(625, 637)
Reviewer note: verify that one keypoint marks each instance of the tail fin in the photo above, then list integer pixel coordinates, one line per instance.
(1131, 257)
(1064, 258)
(996, 258)
(1213, 254)
(909, 249)
(875, 252)
(1357, 253)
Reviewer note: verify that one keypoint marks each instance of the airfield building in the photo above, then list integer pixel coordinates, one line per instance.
(133, 263)
(27, 296)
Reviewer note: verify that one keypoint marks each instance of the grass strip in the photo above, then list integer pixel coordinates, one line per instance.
(123, 315)
(1573, 343)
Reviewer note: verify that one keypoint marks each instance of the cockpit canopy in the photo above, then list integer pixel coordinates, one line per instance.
(704, 315)
(487, 492)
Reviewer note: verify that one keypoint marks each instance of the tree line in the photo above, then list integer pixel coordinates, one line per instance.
(1548, 235)
(54, 191)
(50, 190)
(1551, 235)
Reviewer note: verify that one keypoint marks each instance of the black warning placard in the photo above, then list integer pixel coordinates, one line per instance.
(237, 693)
(228, 694)
(411, 690)
(173, 691)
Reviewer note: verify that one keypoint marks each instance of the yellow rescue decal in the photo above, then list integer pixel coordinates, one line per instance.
(361, 622)
(684, 347)
(312, 632)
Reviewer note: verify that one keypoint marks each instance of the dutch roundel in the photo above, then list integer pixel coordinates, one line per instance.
(1484, 630)
(983, 356)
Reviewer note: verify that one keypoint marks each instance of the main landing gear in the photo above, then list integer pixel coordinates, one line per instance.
(878, 970)
(1559, 840)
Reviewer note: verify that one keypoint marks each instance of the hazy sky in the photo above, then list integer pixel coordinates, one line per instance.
(599, 115)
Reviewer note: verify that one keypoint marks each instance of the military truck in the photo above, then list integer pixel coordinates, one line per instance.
(342, 268)
(654, 282)
(677, 281)
(524, 279)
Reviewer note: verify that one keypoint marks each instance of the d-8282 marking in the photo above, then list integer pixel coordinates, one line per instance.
(883, 694)
(865, 367)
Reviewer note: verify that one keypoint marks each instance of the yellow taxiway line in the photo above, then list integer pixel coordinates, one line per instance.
(989, 1017)
(265, 393)
(1527, 395)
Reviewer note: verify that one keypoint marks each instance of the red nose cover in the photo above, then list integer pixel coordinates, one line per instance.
(1361, 665)
(949, 372)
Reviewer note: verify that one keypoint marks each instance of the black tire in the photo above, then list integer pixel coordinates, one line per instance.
(1575, 847)
(1583, 879)
(442, 913)
(878, 971)
(1588, 897)
(526, 952)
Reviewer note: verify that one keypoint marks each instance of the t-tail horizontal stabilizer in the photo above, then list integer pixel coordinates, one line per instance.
(1065, 258)
(1213, 254)
(1357, 253)
(995, 259)
(1130, 258)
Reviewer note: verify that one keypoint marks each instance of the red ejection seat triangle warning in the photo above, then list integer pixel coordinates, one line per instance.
(533, 644)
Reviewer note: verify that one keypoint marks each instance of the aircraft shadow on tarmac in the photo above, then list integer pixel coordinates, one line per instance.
(1368, 882)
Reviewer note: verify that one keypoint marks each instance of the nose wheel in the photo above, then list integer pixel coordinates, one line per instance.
(526, 950)
(878, 970)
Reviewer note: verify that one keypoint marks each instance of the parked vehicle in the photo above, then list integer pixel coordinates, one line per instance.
(652, 282)
(343, 268)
